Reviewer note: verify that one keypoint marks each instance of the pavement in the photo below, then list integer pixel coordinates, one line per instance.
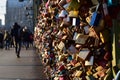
(27, 67)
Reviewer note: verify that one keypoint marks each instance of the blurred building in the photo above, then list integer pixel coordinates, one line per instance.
(20, 12)
(36, 5)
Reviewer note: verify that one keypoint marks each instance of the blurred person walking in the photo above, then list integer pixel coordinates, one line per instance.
(25, 36)
(12, 42)
(1, 39)
(31, 36)
(7, 39)
(16, 35)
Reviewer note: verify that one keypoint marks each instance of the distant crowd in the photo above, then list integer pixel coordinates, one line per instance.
(7, 41)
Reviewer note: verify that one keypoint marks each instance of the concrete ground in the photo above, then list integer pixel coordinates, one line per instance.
(27, 67)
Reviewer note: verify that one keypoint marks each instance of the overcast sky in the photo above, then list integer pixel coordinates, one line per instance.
(2, 10)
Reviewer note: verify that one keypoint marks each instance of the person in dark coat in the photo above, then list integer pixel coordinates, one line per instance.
(25, 35)
(16, 35)
(1, 39)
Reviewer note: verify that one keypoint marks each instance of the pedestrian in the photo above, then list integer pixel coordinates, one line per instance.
(25, 35)
(1, 39)
(7, 39)
(16, 35)
(12, 42)
(31, 36)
